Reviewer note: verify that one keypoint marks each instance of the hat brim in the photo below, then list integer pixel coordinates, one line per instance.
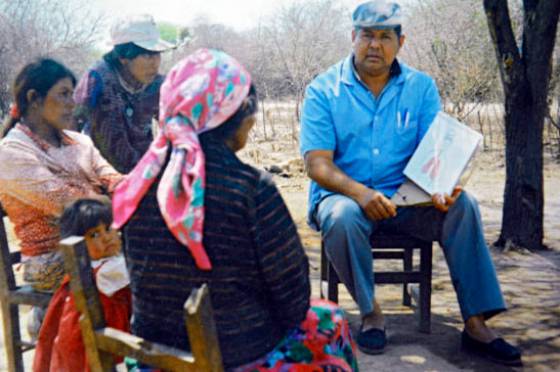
(155, 45)
(375, 26)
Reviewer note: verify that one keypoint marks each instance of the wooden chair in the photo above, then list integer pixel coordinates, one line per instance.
(393, 247)
(11, 297)
(102, 342)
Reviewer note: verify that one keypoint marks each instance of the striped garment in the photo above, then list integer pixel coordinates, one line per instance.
(259, 283)
(118, 120)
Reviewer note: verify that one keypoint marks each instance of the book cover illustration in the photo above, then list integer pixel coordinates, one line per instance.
(443, 154)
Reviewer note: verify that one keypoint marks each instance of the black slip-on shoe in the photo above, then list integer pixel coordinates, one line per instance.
(498, 350)
(372, 341)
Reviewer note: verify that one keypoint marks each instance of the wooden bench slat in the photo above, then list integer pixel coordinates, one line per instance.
(25, 295)
(125, 344)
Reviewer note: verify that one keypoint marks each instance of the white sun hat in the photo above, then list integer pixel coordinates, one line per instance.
(141, 30)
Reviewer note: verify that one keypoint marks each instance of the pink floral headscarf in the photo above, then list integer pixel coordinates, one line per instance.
(200, 93)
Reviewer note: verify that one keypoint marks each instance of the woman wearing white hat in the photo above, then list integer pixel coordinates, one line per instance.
(118, 97)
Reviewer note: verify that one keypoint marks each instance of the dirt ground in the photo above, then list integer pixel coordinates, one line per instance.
(530, 281)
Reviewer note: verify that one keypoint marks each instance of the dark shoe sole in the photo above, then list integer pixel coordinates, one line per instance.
(371, 351)
(509, 363)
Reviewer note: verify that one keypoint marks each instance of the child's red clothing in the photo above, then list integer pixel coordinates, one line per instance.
(60, 347)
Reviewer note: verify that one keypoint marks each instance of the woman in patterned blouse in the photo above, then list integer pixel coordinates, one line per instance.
(43, 166)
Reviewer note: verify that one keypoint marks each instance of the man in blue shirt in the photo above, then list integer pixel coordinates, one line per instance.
(362, 120)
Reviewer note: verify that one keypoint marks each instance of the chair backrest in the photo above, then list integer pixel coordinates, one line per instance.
(7, 259)
(14, 294)
(11, 296)
(101, 341)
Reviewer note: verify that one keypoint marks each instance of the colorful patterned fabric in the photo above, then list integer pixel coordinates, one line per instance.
(322, 342)
(117, 117)
(44, 272)
(36, 181)
(199, 93)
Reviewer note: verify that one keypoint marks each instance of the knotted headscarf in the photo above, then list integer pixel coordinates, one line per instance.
(200, 93)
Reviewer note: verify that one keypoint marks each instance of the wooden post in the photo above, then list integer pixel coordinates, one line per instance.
(77, 264)
(202, 333)
(10, 315)
(424, 304)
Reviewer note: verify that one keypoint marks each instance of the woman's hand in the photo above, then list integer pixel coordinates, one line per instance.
(442, 202)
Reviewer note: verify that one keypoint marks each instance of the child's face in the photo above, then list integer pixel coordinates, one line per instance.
(102, 241)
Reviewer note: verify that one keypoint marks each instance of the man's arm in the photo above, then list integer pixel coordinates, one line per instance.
(321, 168)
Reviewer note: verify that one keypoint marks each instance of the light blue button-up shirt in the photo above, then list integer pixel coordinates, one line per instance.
(372, 137)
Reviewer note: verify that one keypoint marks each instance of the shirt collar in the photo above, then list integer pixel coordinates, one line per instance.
(350, 74)
(44, 145)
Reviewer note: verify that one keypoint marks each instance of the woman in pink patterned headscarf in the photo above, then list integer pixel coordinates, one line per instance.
(195, 213)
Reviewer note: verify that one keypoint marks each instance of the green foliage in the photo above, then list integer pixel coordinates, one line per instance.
(169, 31)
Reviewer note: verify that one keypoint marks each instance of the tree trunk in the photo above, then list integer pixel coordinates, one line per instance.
(525, 73)
(522, 220)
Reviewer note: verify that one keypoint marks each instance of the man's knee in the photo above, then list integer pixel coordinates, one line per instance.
(341, 213)
(463, 216)
(465, 203)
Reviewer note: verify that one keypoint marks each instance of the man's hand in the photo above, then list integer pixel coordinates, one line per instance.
(376, 206)
(444, 202)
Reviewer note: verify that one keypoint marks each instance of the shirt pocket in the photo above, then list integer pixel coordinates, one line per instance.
(408, 130)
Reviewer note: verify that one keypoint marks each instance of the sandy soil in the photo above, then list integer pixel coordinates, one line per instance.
(530, 281)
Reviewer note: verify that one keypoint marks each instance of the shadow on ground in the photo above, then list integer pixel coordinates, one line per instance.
(531, 286)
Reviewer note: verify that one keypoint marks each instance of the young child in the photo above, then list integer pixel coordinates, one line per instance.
(60, 347)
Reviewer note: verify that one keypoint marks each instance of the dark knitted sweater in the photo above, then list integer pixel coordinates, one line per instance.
(119, 121)
(259, 283)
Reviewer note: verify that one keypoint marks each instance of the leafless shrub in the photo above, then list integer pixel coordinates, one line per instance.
(449, 40)
(66, 30)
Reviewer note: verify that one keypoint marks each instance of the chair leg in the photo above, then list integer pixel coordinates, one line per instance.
(425, 288)
(407, 266)
(323, 274)
(332, 280)
(328, 275)
(12, 337)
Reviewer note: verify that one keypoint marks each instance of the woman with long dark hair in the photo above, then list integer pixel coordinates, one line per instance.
(43, 166)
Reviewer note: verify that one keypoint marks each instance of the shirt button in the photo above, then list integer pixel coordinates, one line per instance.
(375, 151)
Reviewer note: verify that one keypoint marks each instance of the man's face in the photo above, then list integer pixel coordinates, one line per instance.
(375, 49)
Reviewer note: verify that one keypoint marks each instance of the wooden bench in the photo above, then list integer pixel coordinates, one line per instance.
(400, 248)
(103, 342)
(12, 297)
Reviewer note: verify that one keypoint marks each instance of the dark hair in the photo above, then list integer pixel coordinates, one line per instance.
(126, 51)
(84, 214)
(228, 129)
(40, 75)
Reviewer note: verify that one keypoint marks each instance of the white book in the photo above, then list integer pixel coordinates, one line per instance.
(439, 161)
(409, 194)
